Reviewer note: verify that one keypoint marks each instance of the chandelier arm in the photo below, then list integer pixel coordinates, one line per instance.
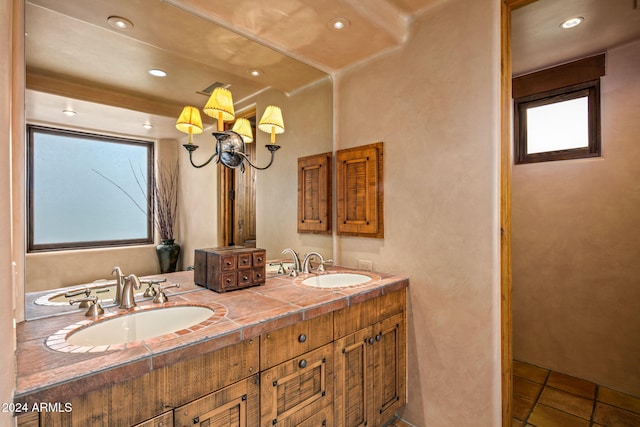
(191, 149)
(271, 147)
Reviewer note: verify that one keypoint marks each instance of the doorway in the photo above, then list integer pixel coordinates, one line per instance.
(238, 197)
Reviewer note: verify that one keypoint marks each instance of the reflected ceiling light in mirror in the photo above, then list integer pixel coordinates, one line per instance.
(572, 22)
(255, 72)
(120, 23)
(156, 72)
(230, 145)
(339, 24)
(147, 126)
(69, 113)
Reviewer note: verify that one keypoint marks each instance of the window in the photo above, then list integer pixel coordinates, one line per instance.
(87, 190)
(557, 112)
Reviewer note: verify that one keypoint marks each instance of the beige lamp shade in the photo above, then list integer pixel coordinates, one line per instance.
(243, 128)
(220, 107)
(190, 122)
(271, 122)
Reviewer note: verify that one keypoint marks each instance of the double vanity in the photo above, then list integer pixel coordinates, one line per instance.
(319, 349)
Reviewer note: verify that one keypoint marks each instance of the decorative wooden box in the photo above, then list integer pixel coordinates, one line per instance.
(229, 268)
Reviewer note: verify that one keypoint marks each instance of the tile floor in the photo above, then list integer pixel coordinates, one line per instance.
(544, 398)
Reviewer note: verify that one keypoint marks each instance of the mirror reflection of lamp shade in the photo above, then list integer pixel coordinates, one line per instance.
(220, 107)
(190, 122)
(271, 122)
(243, 128)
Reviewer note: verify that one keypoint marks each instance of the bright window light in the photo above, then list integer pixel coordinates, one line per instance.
(558, 126)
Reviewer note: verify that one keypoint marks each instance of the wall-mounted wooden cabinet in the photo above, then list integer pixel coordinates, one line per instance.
(314, 194)
(359, 177)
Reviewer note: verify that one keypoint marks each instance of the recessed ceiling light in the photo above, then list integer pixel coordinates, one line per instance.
(255, 72)
(119, 23)
(147, 126)
(572, 22)
(157, 72)
(69, 113)
(339, 24)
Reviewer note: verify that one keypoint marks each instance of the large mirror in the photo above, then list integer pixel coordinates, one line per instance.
(78, 59)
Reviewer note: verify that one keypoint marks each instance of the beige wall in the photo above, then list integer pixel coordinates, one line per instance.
(576, 247)
(435, 105)
(11, 96)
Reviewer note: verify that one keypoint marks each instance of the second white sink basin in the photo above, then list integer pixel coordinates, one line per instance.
(336, 280)
(139, 326)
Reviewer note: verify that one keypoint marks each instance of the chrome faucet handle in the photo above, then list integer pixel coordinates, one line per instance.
(95, 308)
(161, 297)
(151, 291)
(85, 291)
(322, 263)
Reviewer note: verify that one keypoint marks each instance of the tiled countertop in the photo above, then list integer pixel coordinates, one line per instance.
(48, 375)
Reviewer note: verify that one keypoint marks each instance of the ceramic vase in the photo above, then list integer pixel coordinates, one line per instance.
(168, 252)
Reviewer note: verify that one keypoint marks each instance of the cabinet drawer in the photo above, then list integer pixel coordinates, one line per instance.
(245, 277)
(286, 343)
(229, 280)
(235, 405)
(228, 262)
(297, 389)
(244, 261)
(258, 275)
(259, 259)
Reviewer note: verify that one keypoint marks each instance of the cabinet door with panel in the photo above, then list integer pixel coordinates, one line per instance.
(370, 370)
(237, 405)
(296, 390)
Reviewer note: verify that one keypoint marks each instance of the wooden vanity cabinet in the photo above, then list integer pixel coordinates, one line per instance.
(345, 368)
(370, 362)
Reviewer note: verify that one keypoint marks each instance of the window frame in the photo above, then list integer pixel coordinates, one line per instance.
(591, 90)
(45, 247)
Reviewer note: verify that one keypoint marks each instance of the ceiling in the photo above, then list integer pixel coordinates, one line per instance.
(75, 58)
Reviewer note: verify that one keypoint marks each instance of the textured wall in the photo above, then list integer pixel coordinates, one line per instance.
(576, 247)
(435, 105)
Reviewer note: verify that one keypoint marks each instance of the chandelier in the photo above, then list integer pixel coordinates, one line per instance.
(230, 145)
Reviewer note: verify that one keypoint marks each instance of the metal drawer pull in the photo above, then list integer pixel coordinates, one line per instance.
(302, 338)
(303, 363)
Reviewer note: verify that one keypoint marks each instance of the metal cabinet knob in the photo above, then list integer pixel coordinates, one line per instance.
(303, 363)
(302, 338)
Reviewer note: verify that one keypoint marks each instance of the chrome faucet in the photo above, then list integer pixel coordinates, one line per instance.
(296, 258)
(119, 283)
(131, 282)
(307, 261)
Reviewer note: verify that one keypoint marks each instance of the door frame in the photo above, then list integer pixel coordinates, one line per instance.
(506, 326)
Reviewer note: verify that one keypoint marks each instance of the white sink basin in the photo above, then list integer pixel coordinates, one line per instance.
(336, 280)
(139, 326)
